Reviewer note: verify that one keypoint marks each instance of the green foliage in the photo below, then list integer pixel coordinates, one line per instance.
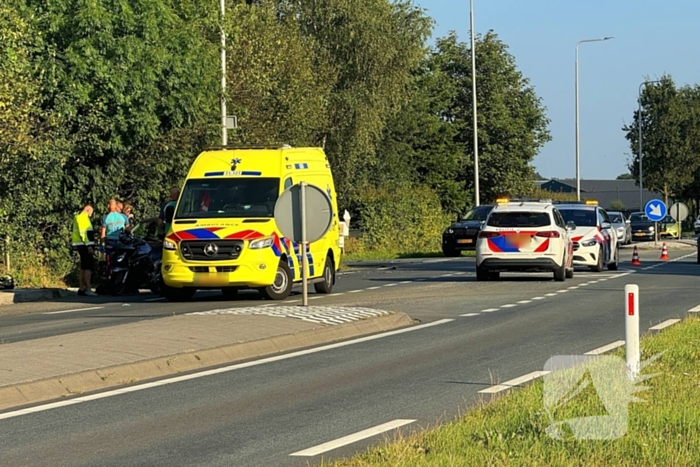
(401, 221)
(627, 176)
(115, 98)
(617, 205)
(670, 133)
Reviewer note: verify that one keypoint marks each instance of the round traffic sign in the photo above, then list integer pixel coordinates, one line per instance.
(655, 210)
(317, 210)
(679, 212)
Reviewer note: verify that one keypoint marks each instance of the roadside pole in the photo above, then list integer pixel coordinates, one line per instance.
(304, 260)
(632, 330)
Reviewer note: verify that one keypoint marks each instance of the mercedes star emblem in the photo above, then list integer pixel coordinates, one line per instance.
(211, 249)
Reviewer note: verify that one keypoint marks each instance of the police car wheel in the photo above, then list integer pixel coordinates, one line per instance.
(282, 287)
(483, 274)
(614, 265)
(599, 266)
(326, 286)
(560, 273)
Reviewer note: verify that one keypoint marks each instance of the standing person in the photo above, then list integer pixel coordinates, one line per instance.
(114, 222)
(129, 213)
(169, 207)
(83, 241)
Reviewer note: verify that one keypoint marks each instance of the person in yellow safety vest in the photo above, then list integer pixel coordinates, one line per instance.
(83, 241)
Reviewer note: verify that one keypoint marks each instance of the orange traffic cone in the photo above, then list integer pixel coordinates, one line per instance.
(635, 257)
(664, 253)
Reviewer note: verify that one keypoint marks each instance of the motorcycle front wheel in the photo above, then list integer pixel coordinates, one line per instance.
(118, 283)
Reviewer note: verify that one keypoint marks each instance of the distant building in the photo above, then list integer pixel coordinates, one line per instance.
(604, 191)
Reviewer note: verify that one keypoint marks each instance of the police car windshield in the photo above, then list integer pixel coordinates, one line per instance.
(478, 214)
(580, 217)
(219, 198)
(516, 219)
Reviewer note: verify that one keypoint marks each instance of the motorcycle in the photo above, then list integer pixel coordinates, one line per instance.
(131, 264)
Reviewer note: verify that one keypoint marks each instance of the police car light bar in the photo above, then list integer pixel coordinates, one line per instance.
(523, 200)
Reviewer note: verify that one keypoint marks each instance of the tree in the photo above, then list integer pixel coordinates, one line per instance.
(434, 135)
(371, 47)
(670, 129)
(616, 205)
(626, 176)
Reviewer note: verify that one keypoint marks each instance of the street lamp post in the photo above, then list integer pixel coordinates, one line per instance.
(578, 165)
(224, 131)
(639, 126)
(476, 136)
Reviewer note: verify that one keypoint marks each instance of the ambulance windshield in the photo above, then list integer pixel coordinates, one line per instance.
(219, 198)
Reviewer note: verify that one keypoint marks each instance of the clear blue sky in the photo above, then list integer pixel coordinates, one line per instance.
(651, 38)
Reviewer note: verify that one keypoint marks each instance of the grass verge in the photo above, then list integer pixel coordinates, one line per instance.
(662, 430)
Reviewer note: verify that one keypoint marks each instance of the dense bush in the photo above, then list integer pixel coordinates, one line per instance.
(401, 221)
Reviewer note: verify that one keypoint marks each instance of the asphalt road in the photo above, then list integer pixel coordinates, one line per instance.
(259, 415)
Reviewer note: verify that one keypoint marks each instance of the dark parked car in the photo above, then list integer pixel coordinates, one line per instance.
(642, 227)
(461, 235)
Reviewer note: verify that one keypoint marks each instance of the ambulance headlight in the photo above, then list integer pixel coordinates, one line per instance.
(261, 243)
(169, 245)
(589, 242)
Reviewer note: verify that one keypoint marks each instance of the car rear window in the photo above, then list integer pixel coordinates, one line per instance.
(519, 219)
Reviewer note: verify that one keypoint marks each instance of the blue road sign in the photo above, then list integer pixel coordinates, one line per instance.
(655, 210)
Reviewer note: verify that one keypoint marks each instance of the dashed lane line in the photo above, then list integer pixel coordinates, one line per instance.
(665, 324)
(605, 348)
(511, 305)
(523, 302)
(468, 315)
(514, 382)
(489, 310)
(695, 310)
(353, 438)
(73, 310)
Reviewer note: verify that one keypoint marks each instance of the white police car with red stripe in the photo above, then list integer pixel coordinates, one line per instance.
(595, 239)
(524, 236)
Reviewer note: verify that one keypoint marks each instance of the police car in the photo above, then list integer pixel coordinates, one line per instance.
(524, 236)
(595, 239)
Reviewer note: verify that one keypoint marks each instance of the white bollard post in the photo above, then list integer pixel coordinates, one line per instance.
(632, 330)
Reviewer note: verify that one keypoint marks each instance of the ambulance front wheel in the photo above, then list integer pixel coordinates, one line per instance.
(282, 287)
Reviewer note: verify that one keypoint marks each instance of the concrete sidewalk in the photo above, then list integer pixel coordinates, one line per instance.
(10, 297)
(50, 368)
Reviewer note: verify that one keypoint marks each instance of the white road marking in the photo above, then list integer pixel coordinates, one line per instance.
(550, 295)
(405, 282)
(583, 285)
(468, 315)
(353, 438)
(489, 310)
(315, 298)
(337, 294)
(374, 288)
(695, 310)
(202, 374)
(522, 302)
(538, 298)
(74, 310)
(513, 382)
(447, 275)
(390, 285)
(664, 325)
(355, 291)
(460, 273)
(606, 348)
(507, 306)
(155, 299)
(562, 291)
(573, 288)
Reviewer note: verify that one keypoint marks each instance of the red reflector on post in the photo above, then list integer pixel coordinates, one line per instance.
(630, 304)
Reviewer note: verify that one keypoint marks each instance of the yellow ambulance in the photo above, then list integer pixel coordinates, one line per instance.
(223, 233)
